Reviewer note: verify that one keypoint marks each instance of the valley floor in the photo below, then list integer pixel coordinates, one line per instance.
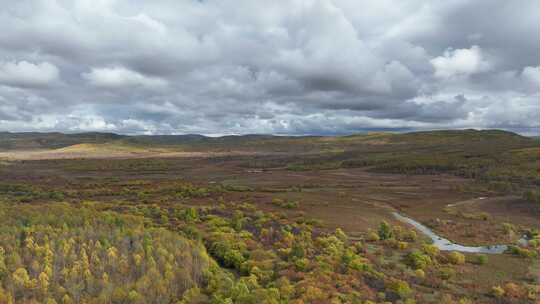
(354, 200)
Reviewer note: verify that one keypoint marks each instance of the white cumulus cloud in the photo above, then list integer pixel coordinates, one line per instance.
(532, 75)
(27, 74)
(120, 77)
(244, 66)
(460, 62)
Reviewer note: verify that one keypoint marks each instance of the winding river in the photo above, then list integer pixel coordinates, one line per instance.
(447, 245)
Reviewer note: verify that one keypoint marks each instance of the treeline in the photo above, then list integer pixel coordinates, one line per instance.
(139, 190)
(509, 160)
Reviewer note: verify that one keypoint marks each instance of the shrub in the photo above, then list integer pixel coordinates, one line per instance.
(233, 258)
(402, 245)
(385, 231)
(447, 273)
(342, 236)
(313, 293)
(522, 252)
(401, 288)
(497, 292)
(392, 243)
(297, 250)
(359, 247)
(481, 259)
(411, 236)
(513, 290)
(533, 243)
(373, 237)
(301, 264)
(286, 289)
(532, 195)
(507, 227)
(418, 260)
(285, 204)
(190, 215)
(456, 258)
(359, 265)
(430, 250)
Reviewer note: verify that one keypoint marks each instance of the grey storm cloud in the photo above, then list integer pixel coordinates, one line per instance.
(283, 67)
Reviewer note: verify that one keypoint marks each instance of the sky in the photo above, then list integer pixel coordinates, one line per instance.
(274, 67)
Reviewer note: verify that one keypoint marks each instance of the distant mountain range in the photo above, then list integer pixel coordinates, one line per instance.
(56, 140)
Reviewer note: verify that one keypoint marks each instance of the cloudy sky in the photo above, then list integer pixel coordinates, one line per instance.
(282, 67)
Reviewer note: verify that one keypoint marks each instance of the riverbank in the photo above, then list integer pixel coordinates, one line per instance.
(447, 245)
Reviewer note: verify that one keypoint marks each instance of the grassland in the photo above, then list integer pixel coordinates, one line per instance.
(263, 219)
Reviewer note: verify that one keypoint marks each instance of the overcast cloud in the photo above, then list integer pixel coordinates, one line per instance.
(282, 67)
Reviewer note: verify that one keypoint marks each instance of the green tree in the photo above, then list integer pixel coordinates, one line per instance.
(385, 231)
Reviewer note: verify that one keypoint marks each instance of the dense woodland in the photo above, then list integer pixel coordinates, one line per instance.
(62, 254)
(222, 252)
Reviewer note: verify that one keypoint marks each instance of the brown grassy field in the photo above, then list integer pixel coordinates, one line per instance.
(354, 199)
